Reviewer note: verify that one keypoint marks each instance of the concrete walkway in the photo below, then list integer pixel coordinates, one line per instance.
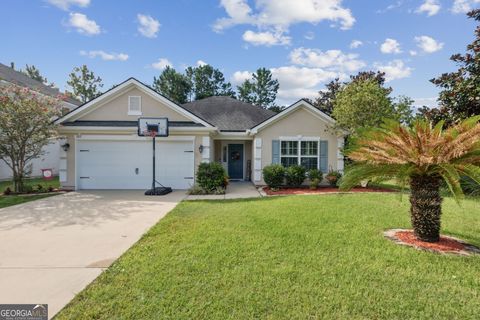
(50, 249)
(235, 190)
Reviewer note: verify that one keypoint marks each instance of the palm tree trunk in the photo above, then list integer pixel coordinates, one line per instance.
(426, 207)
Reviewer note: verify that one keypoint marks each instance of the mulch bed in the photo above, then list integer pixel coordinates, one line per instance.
(320, 190)
(445, 245)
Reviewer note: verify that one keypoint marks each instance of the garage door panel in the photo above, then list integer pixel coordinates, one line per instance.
(128, 164)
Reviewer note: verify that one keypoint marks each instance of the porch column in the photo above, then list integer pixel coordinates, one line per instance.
(257, 159)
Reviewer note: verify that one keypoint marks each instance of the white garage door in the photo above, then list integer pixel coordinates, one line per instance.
(128, 164)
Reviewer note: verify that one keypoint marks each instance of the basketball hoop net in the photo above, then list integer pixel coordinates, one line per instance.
(152, 134)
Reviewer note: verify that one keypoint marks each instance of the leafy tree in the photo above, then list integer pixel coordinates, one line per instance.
(402, 109)
(25, 128)
(173, 85)
(325, 98)
(277, 109)
(423, 156)
(207, 81)
(34, 73)
(261, 90)
(85, 85)
(361, 104)
(460, 95)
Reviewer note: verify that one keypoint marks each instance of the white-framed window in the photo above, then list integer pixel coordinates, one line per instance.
(134, 105)
(299, 152)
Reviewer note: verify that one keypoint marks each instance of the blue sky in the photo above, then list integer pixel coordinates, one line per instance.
(305, 43)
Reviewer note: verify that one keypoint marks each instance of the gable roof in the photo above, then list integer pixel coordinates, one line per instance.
(84, 108)
(229, 114)
(300, 103)
(20, 79)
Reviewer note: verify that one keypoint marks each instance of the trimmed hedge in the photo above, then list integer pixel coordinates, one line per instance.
(295, 175)
(211, 176)
(274, 175)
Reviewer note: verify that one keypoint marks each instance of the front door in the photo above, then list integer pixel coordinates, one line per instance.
(235, 161)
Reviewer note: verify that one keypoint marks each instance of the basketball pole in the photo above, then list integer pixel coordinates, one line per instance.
(153, 178)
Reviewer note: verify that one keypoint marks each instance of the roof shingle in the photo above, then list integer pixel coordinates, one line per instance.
(228, 114)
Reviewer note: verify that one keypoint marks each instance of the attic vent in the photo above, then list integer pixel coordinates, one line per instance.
(135, 105)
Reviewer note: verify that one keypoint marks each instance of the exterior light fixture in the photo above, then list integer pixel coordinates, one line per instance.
(65, 146)
(200, 148)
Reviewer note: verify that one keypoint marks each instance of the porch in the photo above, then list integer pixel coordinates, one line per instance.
(235, 156)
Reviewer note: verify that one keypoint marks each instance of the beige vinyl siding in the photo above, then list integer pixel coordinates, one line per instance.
(117, 109)
(300, 122)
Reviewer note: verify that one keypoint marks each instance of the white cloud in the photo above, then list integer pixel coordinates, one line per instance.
(65, 4)
(428, 44)
(201, 63)
(309, 35)
(392, 6)
(390, 46)
(83, 25)
(301, 82)
(161, 64)
(395, 69)
(356, 44)
(430, 7)
(105, 55)
(240, 76)
(463, 6)
(265, 38)
(413, 53)
(148, 26)
(273, 18)
(331, 59)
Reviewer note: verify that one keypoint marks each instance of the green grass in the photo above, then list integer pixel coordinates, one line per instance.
(298, 257)
(32, 182)
(6, 201)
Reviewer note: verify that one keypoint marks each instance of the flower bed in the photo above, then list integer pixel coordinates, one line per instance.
(320, 190)
(445, 245)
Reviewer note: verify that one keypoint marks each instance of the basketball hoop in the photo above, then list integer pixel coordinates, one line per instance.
(154, 127)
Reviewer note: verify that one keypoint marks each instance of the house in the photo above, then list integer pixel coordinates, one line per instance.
(50, 159)
(104, 151)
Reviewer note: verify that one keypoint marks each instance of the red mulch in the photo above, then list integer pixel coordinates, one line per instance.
(444, 245)
(320, 190)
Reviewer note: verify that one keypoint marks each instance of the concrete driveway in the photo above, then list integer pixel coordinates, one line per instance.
(50, 249)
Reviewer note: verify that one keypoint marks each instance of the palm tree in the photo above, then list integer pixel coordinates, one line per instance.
(423, 156)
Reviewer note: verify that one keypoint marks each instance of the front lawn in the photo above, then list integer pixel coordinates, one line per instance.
(6, 201)
(298, 257)
(32, 182)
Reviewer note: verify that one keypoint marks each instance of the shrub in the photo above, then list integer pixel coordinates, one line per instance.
(50, 189)
(7, 191)
(315, 174)
(210, 176)
(274, 175)
(40, 188)
(27, 188)
(295, 175)
(314, 183)
(333, 177)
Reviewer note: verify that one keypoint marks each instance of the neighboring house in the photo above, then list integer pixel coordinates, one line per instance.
(50, 160)
(105, 151)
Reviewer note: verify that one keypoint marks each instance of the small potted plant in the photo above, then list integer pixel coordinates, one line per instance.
(333, 177)
(315, 176)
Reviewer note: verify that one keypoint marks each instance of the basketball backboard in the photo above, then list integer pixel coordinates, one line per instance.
(146, 127)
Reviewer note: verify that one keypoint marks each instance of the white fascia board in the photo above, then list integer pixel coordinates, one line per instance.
(129, 129)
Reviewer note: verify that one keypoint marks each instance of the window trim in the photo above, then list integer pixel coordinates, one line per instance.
(134, 112)
(299, 155)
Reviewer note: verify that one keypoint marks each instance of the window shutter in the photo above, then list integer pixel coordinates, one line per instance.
(323, 156)
(275, 151)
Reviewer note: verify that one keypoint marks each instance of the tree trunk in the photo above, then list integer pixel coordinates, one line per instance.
(426, 207)
(18, 182)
